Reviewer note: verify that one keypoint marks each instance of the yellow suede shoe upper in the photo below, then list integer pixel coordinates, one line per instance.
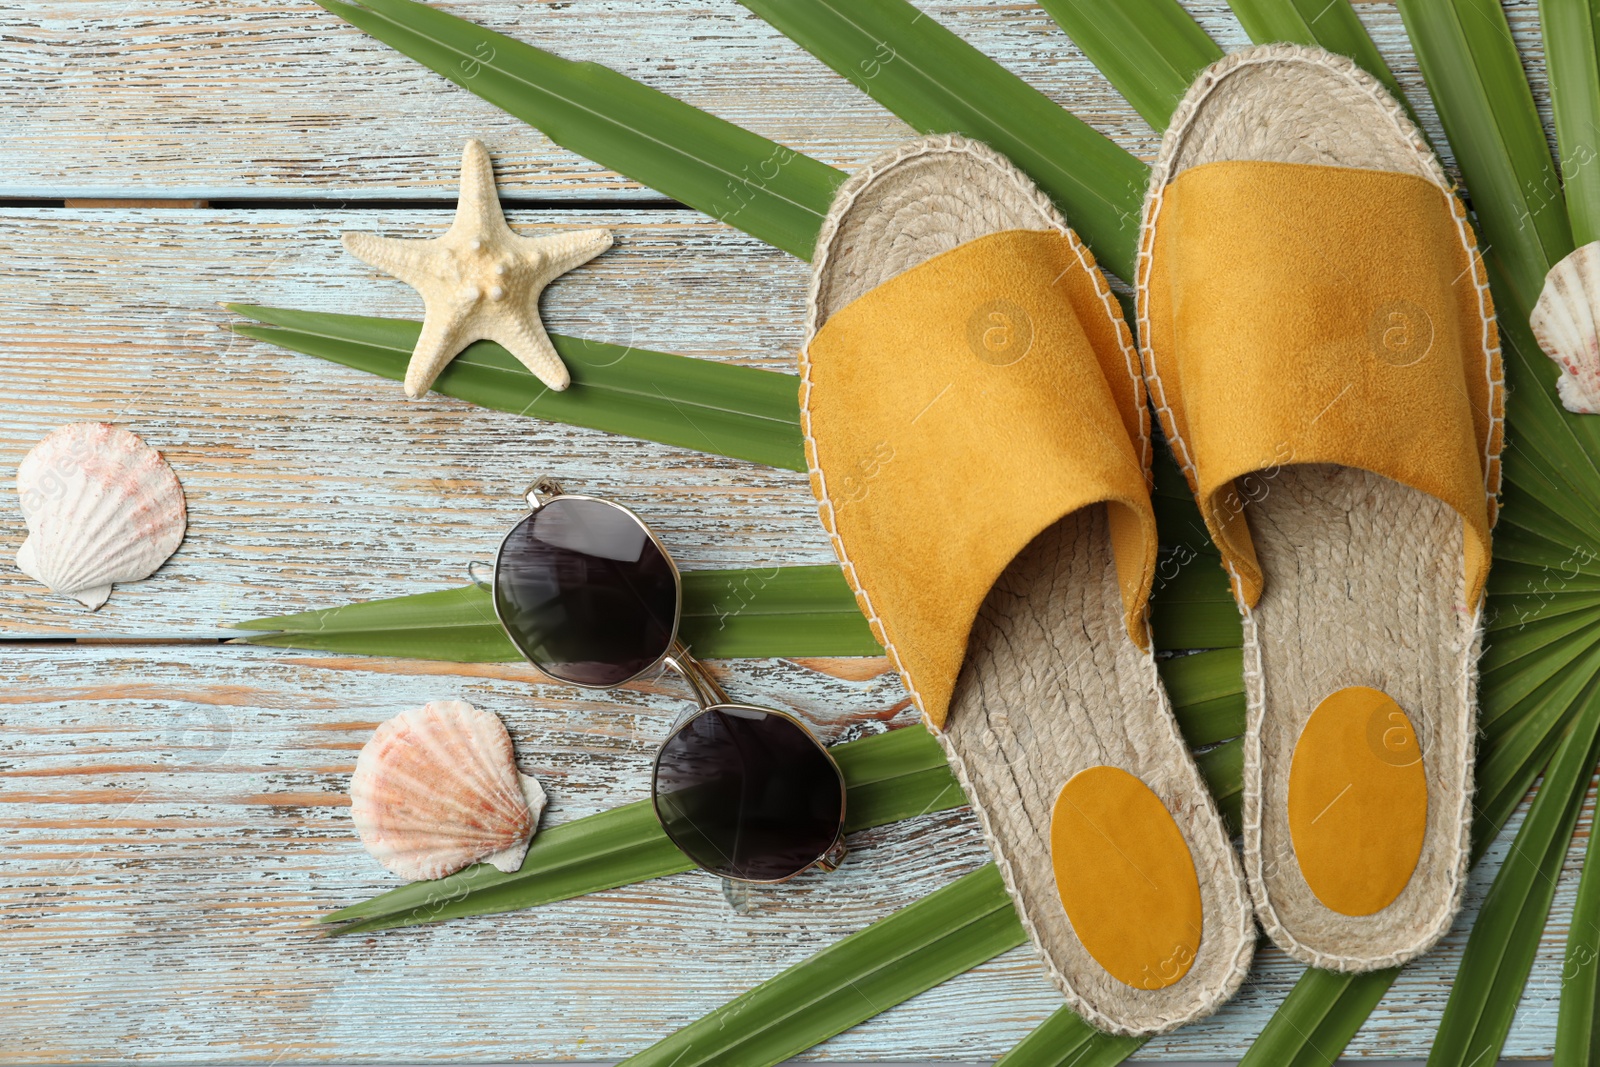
(1308, 314)
(951, 415)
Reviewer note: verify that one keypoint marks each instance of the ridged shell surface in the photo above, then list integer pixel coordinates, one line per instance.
(102, 507)
(437, 789)
(1564, 323)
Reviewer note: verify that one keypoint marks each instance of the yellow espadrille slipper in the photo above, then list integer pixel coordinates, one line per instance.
(979, 446)
(1319, 343)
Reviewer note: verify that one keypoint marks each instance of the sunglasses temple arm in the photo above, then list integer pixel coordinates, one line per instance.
(707, 692)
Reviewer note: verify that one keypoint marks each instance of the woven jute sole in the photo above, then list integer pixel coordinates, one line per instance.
(1051, 684)
(1364, 578)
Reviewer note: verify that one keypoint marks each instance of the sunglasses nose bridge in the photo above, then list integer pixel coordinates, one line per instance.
(541, 491)
(829, 861)
(707, 693)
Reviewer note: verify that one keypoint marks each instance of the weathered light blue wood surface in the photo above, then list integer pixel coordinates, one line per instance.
(310, 484)
(216, 99)
(171, 815)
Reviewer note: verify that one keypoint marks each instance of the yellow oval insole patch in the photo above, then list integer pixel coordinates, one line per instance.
(1125, 877)
(1358, 800)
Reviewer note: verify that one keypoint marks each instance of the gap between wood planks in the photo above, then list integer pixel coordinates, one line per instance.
(437, 203)
(97, 202)
(281, 204)
(45, 642)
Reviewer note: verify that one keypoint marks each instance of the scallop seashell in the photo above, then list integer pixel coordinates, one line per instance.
(1564, 323)
(437, 789)
(102, 507)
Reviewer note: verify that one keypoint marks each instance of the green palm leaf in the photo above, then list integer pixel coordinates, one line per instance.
(1550, 457)
(1522, 744)
(1325, 1009)
(1523, 685)
(1065, 1040)
(772, 611)
(701, 404)
(1193, 609)
(1149, 49)
(889, 776)
(1515, 541)
(1572, 54)
(775, 611)
(1509, 682)
(1475, 77)
(1209, 687)
(763, 188)
(1318, 1018)
(613, 848)
(897, 775)
(949, 931)
(909, 63)
(1223, 769)
(1505, 934)
(1541, 663)
(1577, 1042)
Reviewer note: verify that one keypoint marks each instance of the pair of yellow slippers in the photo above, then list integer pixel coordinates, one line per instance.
(1316, 336)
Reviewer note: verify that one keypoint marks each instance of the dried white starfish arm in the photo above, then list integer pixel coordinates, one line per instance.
(437, 345)
(480, 280)
(524, 337)
(392, 255)
(566, 251)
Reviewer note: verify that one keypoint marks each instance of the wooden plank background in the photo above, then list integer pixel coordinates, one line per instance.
(174, 817)
(172, 811)
(310, 484)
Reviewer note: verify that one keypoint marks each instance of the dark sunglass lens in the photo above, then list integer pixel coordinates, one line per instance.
(748, 794)
(585, 592)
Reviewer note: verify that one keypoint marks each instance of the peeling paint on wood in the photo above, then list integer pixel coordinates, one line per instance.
(165, 840)
(278, 98)
(173, 815)
(312, 485)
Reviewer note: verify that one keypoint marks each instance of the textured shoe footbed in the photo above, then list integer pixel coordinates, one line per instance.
(1364, 581)
(1051, 683)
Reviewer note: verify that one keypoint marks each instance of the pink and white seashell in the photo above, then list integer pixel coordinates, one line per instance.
(1566, 323)
(102, 507)
(437, 788)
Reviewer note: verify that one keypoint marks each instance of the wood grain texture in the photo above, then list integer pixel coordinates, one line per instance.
(170, 819)
(171, 816)
(213, 99)
(311, 485)
(290, 101)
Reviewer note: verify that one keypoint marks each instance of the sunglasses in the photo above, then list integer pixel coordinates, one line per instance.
(588, 594)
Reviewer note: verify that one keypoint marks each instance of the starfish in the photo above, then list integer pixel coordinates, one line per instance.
(480, 281)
